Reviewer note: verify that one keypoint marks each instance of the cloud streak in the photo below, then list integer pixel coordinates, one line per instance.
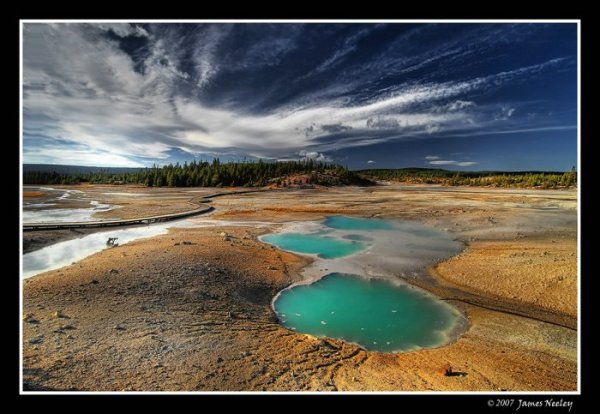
(452, 162)
(438, 161)
(133, 94)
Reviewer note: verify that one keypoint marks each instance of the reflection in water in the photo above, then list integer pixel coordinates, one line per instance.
(67, 252)
(66, 215)
(35, 211)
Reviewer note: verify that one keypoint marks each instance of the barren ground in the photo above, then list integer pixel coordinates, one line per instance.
(152, 315)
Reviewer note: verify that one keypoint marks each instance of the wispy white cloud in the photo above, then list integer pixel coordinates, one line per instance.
(435, 160)
(350, 45)
(504, 113)
(314, 155)
(82, 88)
(123, 30)
(473, 133)
(442, 162)
(88, 156)
(459, 105)
(371, 162)
(204, 53)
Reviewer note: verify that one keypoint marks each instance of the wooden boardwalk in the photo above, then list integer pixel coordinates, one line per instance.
(202, 208)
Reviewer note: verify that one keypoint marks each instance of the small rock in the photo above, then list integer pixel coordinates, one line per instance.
(223, 234)
(94, 282)
(36, 340)
(119, 328)
(29, 318)
(219, 360)
(58, 314)
(187, 243)
(177, 244)
(226, 238)
(445, 371)
(113, 271)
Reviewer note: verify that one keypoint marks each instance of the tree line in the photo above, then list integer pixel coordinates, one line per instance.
(207, 174)
(532, 179)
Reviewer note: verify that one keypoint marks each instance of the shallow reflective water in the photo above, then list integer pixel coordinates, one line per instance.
(359, 290)
(375, 314)
(66, 252)
(323, 246)
(357, 223)
(371, 247)
(50, 211)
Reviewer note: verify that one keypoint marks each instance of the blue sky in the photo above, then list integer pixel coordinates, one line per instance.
(454, 96)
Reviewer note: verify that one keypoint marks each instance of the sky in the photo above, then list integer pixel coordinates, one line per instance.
(439, 95)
